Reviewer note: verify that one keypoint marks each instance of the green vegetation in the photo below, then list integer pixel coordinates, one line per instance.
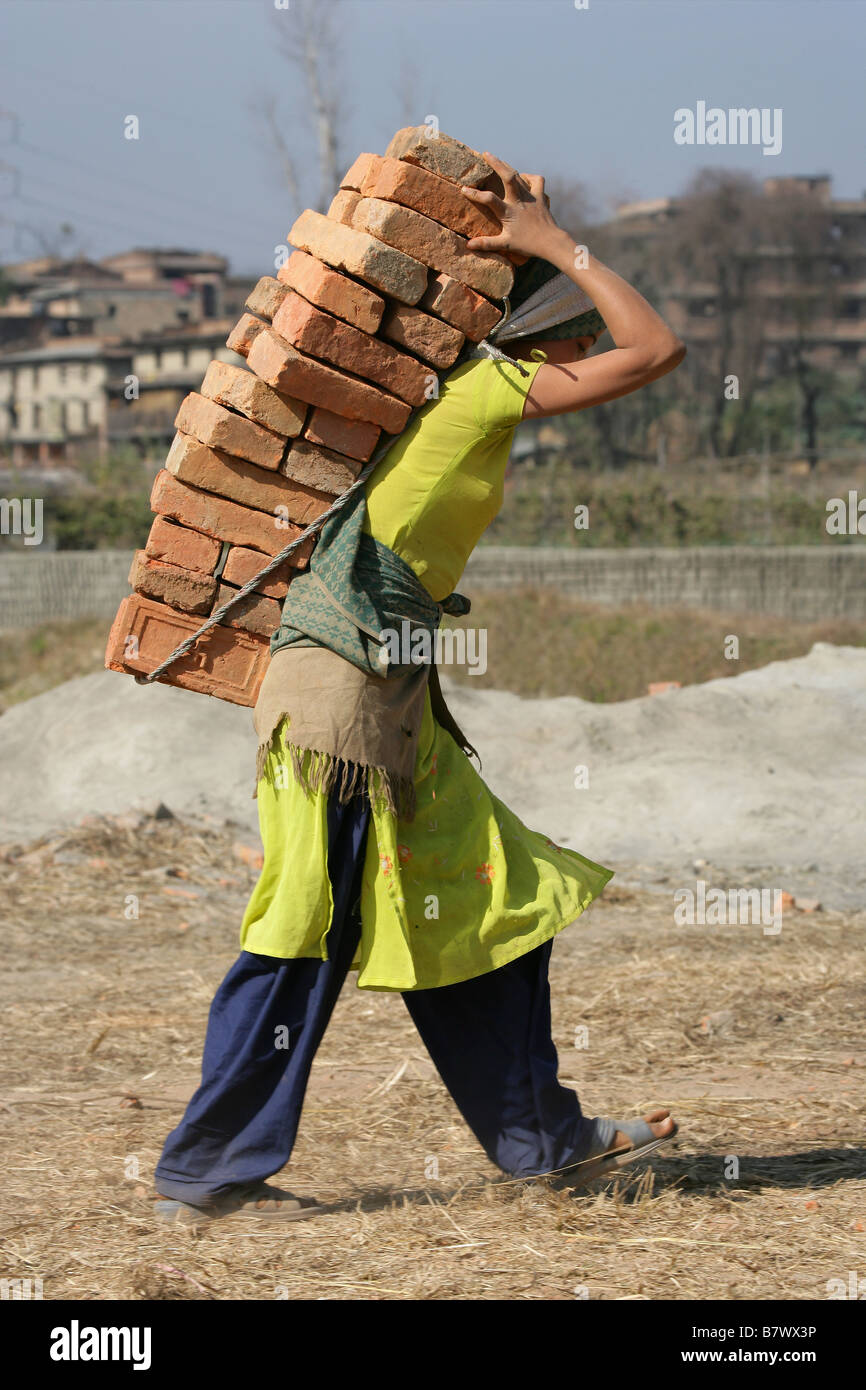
(539, 643)
(542, 643)
(645, 507)
(108, 508)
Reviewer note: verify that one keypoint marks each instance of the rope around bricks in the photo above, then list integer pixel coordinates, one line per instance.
(145, 678)
(482, 349)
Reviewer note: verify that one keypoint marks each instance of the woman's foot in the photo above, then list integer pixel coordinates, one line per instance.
(659, 1121)
(639, 1137)
(259, 1200)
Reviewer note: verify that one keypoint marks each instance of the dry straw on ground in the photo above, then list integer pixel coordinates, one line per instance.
(753, 1041)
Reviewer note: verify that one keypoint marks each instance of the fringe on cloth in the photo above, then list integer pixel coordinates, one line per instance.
(324, 773)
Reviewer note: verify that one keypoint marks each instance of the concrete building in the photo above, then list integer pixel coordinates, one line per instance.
(829, 324)
(100, 353)
(86, 394)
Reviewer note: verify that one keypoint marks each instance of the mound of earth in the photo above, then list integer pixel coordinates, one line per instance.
(756, 780)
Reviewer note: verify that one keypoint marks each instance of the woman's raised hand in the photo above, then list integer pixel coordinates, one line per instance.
(528, 229)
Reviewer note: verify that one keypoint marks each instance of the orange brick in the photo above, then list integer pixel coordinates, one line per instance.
(214, 425)
(430, 338)
(180, 588)
(265, 297)
(244, 334)
(359, 254)
(227, 663)
(331, 290)
(242, 565)
(416, 188)
(212, 470)
(286, 369)
(177, 545)
(320, 468)
(343, 205)
(434, 245)
(216, 516)
(321, 335)
(240, 390)
(460, 306)
(255, 613)
(444, 156)
(355, 438)
(363, 168)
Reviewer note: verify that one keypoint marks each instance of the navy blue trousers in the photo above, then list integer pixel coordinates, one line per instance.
(490, 1039)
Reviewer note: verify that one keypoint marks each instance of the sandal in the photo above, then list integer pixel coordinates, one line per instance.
(260, 1201)
(603, 1159)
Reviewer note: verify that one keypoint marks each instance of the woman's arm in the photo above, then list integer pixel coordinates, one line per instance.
(646, 348)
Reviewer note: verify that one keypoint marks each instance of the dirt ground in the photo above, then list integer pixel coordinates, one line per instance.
(753, 1041)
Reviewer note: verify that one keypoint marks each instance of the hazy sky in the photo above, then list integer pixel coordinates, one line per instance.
(586, 94)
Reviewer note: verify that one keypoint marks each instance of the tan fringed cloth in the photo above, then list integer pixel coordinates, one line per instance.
(352, 723)
(354, 714)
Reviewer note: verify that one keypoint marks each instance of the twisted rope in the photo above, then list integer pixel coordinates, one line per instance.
(145, 678)
(484, 348)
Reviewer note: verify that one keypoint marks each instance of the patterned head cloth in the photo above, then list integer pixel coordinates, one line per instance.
(544, 303)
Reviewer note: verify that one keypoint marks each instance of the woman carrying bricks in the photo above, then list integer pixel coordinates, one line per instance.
(385, 851)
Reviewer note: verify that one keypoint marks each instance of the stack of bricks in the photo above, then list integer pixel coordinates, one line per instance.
(362, 319)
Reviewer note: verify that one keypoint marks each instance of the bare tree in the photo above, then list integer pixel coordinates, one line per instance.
(306, 35)
(809, 268)
(265, 107)
(713, 255)
(406, 89)
(571, 204)
(61, 243)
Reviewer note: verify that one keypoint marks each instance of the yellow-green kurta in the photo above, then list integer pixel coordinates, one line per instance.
(464, 887)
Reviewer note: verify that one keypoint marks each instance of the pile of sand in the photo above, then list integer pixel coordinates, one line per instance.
(760, 776)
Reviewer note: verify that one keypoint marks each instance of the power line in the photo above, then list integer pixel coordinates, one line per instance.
(131, 183)
(95, 198)
(162, 113)
(82, 216)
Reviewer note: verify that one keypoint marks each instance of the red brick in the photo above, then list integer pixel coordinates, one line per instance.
(177, 545)
(355, 438)
(242, 565)
(342, 206)
(265, 297)
(244, 334)
(321, 335)
(320, 468)
(430, 338)
(331, 290)
(212, 470)
(255, 613)
(416, 188)
(216, 516)
(222, 429)
(444, 156)
(363, 168)
(361, 255)
(282, 366)
(227, 663)
(460, 306)
(179, 588)
(426, 241)
(240, 390)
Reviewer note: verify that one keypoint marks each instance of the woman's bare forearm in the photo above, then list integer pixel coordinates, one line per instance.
(646, 348)
(631, 321)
